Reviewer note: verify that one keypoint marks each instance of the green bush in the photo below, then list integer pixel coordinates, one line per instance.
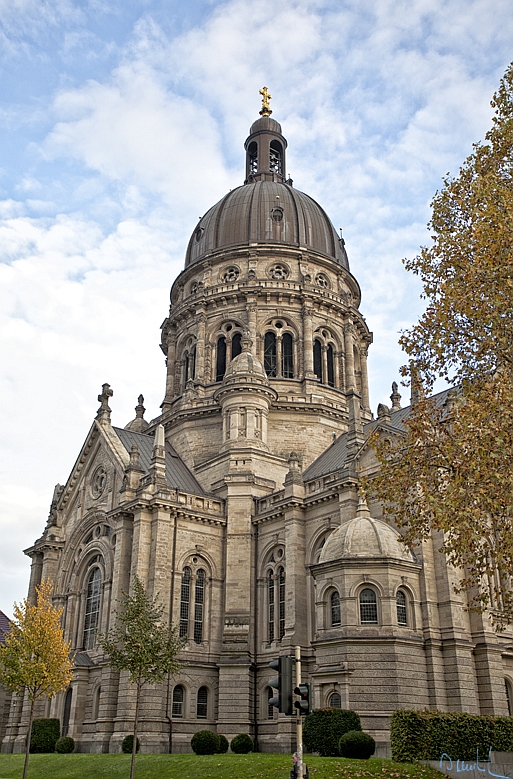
(205, 742)
(242, 744)
(425, 735)
(45, 733)
(65, 745)
(323, 729)
(357, 745)
(223, 745)
(128, 744)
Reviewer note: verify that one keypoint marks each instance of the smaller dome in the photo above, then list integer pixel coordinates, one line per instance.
(245, 367)
(265, 125)
(139, 424)
(364, 536)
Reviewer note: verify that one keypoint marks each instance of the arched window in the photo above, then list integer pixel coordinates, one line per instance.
(96, 702)
(236, 344)
(331, 366)
(368, 607)
(92, 608)
(270, 707)
(281, 603)
(317, 355)
(178, 696)
(270, 616)
(509, 697)
(287, 357)
(335, 609)
(202, 703)
(190, 364)
(253, 157)
(185, 595)
(402, 616)
(67, 711)
(335, 701)
(221, 358)
(270, 354)
(275, 157)
(199, 598)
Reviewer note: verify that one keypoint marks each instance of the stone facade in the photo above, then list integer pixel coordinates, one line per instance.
(238, 506)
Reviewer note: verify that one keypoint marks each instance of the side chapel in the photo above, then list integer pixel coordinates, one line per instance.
(238, 507)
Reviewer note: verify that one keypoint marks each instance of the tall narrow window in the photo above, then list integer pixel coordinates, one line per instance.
(236, 345)
(270, 591)
(177, 708)
(508, 696)
(202, 703)
(335, 609)
(317, 356)
(253, 157)
(270, 707)
(270, 354)
(92, 608)
(185, 596)
(331, 366)
(221, 358)
(275, 157)
(190, 364)
(368, 607)
(199, 598)
(287, 359)
(67, 711)
(335, 701)
(281, 615)
(402, 616)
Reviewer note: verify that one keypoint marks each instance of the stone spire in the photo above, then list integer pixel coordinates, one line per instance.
(395, 397)
(104, 412)
(139, 424)
(158, 457)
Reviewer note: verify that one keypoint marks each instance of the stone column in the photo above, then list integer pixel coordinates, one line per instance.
(365, 377)
(252, 325)
(308, 342)
(200, 347)
(278, 357)
(171, 357)
(348, 348)
(36, 571)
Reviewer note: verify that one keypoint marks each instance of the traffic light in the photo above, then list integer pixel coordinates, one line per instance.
(282, 701)
(305, 704)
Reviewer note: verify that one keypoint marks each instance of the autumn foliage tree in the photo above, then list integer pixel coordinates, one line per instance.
(35, 658)
(451, 469)
(142, 644)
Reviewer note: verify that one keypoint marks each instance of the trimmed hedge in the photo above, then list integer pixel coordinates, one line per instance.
(357, 745)
(205, 742)
(45, 733)
(223, 745)
(323, 729)
(65, 745)
(425, 735)
(128, 744)
(242, 744)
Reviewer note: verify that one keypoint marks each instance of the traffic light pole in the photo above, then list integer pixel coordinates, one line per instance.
(299, 721)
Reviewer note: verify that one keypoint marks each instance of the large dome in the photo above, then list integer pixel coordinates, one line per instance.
(265, 212)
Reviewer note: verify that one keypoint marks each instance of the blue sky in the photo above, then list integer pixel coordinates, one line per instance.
(122, 122)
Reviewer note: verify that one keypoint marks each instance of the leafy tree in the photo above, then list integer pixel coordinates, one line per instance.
(450, 470)
(143, 645)
(35, 658)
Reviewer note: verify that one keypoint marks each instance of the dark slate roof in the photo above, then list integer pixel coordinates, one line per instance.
(334, 457)
(5, 626)
(177, 474)
(82, 660)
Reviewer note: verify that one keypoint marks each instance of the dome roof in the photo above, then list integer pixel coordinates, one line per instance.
(265, 212)
(245, 367)
(364, 536)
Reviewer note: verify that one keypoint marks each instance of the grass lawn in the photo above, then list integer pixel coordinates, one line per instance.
(256, 766)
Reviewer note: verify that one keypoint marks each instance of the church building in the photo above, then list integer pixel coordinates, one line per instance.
(239, 506)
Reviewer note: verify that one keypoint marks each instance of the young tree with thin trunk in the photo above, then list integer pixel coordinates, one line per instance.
(143, 645)
(35, 658)
(450, 470)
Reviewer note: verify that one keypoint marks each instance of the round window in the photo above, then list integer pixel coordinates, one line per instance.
(99, 481)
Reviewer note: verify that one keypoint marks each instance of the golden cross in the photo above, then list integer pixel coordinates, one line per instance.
(266, 111)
